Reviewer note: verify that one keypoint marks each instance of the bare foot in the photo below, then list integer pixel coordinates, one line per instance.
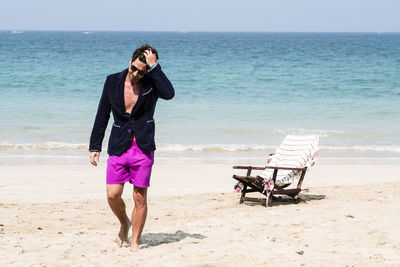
(122, 238)
(135, 247)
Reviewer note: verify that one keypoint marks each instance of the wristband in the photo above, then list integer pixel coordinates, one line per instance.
(153, 66)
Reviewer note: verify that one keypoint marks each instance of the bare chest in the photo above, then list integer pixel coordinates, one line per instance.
(131, 94)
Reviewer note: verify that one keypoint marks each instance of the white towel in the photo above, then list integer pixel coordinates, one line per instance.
(295, 151)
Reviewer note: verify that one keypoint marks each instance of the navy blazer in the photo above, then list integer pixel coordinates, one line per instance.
(139, 122)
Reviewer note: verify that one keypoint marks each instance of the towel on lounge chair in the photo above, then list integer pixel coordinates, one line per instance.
(295, 151)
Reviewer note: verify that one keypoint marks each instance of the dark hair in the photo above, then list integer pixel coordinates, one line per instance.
(139, 53)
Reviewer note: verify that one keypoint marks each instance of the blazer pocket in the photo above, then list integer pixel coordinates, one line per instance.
(150, 127)
(148, 91)
(116, 125)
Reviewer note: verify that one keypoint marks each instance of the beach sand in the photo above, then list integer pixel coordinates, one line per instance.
(56, 215)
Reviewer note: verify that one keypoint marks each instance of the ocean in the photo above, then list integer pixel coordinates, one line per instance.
(237, 94)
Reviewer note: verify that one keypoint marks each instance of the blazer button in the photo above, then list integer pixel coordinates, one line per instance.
(129, 131)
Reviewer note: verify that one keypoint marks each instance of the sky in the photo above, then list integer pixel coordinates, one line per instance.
(202, 15)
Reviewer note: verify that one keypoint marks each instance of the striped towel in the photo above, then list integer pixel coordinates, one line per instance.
(296, 151)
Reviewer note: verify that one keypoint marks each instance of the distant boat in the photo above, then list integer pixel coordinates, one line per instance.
(16, 31)
(86, 32)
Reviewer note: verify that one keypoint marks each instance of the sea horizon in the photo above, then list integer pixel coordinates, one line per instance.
(192, 31)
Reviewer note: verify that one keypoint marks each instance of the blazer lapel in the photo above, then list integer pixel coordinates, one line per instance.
(146, 86)
(120, 92)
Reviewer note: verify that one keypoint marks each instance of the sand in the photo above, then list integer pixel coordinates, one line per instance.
(57, 215)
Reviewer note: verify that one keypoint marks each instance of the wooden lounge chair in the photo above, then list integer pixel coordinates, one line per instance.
(256, 184)
(289, 163)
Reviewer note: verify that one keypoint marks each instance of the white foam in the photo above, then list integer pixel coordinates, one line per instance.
(56, 146)
(212, 147)
(320, 133)
(61, 146)
(365, 148)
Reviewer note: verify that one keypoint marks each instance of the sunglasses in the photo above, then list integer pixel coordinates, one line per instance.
(140, 72)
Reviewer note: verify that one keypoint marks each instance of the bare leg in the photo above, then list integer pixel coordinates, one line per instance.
(138, 215)
(117, 205)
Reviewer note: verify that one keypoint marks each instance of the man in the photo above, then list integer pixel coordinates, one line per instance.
(131, 96)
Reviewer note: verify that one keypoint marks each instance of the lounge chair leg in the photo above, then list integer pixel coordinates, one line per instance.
(269, 201)
(242, 197)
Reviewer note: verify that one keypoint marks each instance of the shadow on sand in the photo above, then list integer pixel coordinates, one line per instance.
(302, 199)
(151, 240)
(285, 200)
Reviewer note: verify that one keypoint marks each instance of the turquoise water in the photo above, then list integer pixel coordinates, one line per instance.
(234, 91)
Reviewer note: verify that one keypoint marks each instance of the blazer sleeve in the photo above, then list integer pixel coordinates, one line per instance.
(101, 121)
(163, 86)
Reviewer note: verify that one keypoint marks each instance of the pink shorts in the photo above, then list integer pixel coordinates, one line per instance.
(133, 166)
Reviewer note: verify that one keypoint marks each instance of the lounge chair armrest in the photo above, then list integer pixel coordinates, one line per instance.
(247, 167)
(286, 168)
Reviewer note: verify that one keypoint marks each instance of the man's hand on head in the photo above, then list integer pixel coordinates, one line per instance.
(151, 58)
(94, 157)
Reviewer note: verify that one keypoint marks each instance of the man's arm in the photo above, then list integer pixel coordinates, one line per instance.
(163, 85)
(100, 123)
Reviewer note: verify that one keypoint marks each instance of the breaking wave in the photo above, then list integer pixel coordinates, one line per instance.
(61, 146)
